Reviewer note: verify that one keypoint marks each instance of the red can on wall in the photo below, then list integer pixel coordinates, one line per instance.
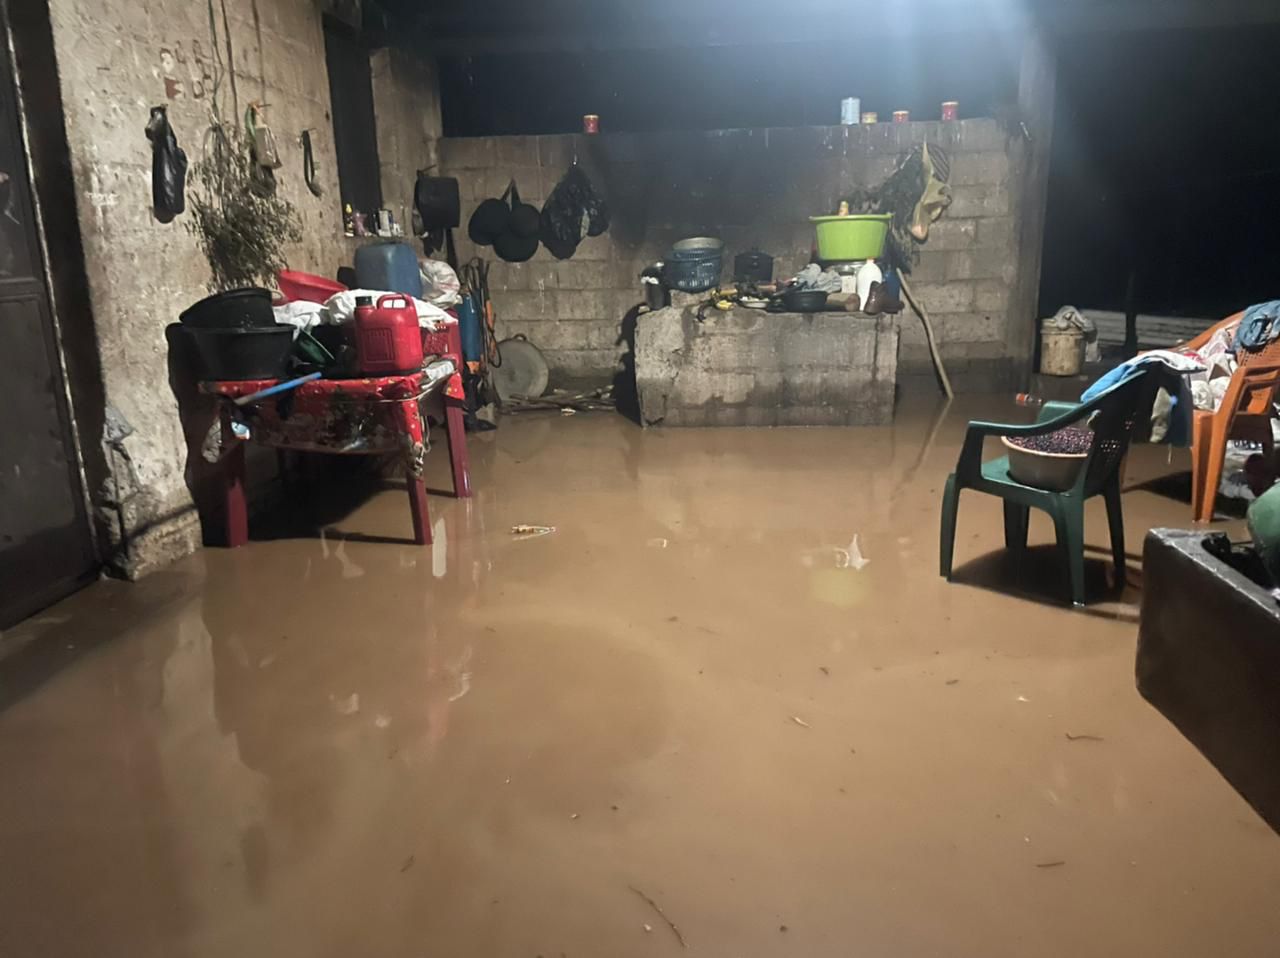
(901, 116)
(951, 110)
(590, 123)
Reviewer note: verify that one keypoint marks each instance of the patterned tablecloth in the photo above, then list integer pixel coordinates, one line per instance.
(353, 416)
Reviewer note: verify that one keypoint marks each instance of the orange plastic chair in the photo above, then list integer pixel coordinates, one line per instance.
(1245, 413)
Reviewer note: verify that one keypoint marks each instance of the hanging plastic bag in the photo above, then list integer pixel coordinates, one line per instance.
(168, 167)
(572, 206)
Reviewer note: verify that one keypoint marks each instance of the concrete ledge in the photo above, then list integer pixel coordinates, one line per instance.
(1209, 660)
(751, 368)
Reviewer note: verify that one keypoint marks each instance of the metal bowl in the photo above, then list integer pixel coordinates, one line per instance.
(698, 245)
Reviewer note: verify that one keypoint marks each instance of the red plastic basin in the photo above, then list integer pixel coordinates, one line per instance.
(306, 286)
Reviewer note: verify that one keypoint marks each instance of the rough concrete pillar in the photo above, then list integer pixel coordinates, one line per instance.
(1037, 80)
(406, 100)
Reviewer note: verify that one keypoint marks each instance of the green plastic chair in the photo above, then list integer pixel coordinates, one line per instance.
(1112, 416)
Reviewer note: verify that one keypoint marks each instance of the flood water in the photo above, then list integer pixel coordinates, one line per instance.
(730, 686)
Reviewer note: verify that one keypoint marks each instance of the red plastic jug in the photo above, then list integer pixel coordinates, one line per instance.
(388, 340)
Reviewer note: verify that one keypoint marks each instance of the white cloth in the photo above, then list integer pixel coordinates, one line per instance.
(301, 314)
(440, 285)
(1178, 362)
(1208, 387)
(814, 276)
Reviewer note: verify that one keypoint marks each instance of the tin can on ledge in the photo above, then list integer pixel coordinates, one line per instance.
(871, 117)
(590, 123)
(850, 108)
(901, 116)
(951, 110)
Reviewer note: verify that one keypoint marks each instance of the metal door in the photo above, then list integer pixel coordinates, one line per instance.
(46, 549)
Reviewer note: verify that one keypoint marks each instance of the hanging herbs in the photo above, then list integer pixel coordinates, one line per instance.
(243, 227)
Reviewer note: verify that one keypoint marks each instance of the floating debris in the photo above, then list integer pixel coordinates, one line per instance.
(851, 558)
(1084, 738)
(408, 863)
(952, 681)
(525, 531)
(1049, 864)
(563, 400)
(801, 722)
(824, 670)
(346, 706)
(661, 914)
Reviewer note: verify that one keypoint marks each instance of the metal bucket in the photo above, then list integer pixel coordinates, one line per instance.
(1062, 351)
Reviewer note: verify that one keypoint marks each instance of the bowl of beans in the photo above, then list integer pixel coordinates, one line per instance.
(1052, 461)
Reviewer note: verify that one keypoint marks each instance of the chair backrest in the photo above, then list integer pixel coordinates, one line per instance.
(1115, 414)
(1252, 390)
(1201, 341)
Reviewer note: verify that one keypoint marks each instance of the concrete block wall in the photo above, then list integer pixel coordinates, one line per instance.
(116, 59)
(753, 187)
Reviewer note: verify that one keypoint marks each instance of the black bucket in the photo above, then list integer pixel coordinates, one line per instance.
(234, 309)
(234, 354)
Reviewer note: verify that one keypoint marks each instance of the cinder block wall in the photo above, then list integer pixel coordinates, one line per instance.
(753, 187)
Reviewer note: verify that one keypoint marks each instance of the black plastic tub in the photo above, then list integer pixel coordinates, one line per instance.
(694, 265)
(249, 353)
(235, 309)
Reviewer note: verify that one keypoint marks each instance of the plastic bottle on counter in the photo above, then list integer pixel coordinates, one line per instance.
(1029, 400)
(868, 273)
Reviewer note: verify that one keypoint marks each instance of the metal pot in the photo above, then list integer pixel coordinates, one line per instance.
(753, 267)
(803, 300)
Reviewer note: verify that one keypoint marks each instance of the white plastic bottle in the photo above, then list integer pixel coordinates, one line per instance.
(869, 273)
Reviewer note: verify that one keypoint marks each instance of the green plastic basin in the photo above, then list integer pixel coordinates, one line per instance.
(857, 236)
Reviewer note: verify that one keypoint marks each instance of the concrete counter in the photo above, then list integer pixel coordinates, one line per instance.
(1209, 660)
(748, 367)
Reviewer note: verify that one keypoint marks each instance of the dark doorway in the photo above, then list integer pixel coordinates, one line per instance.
(46, 549)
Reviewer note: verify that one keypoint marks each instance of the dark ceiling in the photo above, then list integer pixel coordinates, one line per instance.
(515, 26)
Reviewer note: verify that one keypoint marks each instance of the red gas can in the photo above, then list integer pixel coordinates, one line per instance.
(388, 340)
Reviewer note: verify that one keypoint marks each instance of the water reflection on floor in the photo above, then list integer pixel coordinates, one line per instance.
(730, 686)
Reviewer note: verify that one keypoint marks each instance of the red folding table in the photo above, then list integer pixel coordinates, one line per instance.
(372, 416)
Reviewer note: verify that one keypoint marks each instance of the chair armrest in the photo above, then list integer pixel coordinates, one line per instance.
(1051, 410)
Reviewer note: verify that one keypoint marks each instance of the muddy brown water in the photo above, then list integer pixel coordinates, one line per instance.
(731, 679)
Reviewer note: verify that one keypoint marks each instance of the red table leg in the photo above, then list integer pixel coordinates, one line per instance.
(418, 510)
(414, 453)
(456, 431)
(237, 511)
